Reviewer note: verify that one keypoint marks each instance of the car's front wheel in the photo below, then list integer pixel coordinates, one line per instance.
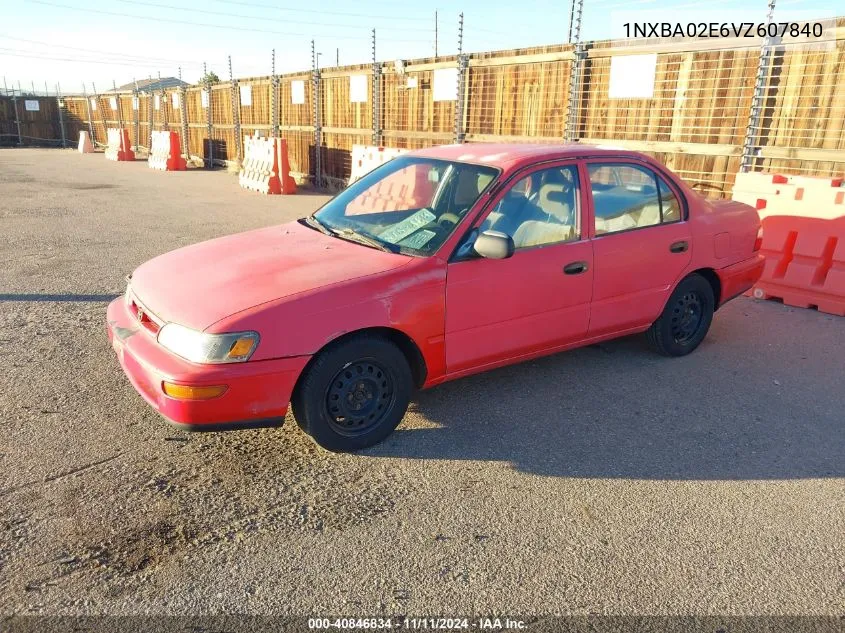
(686, 318)
(354, 394)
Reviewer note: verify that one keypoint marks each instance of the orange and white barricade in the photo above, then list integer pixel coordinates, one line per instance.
(119, 147)
(366, 158)
(85, 145)
(266, 167)
(805, 262)
(166, 152)
(778, 194)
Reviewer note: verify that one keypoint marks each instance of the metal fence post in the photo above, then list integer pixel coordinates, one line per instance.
(60, 104)
(572, 110)
(162, 106)
(752, 130)
(315, 96)
(102, 114)
(136, 116)
(377, 96)
(183, 116)
(274, 97)
(209, 118)
(150, 115)
(461, 98)
(236, 113)
(88, 109)
(117, 103)
(183, 112)
(17, 119)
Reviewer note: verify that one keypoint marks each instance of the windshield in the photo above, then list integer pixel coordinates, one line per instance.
(409, 204)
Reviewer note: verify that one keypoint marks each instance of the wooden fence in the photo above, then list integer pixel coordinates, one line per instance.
(696, 119)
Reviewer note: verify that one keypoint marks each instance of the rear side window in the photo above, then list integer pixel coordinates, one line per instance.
(628, 197)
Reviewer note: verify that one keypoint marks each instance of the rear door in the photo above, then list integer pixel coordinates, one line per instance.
(536, 300)
(641, 243)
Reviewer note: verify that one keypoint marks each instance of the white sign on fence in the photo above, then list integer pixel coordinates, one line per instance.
(412, 82)
(157, 102)
(204, 98)
(444, 84)
(93, 103)
(246, 96)
(175, 100)
(134, 103)
(113, 103)
(358, 88)
(32, 106)
(297, 92)
(632, 76)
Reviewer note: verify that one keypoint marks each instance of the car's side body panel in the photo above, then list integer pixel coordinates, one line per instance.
(410, 300)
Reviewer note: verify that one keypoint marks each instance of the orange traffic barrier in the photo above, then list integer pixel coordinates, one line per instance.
(805, 263)
(778, 194)
(288, 183)
(85, 145)
(119, 147)
(266, 167)
(166, 152)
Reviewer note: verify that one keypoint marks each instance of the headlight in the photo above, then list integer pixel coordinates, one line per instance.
(199, 347)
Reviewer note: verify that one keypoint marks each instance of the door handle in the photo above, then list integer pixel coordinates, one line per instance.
(679, 247)
(575, 268)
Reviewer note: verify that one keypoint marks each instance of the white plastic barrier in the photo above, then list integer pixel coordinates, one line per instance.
(165, 153)
(85, 145)
(366, 158)
(266, 167)
(778, 194)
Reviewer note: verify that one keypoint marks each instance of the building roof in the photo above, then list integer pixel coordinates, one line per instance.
(153, 84)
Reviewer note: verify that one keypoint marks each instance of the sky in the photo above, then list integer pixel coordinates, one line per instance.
(107, 42)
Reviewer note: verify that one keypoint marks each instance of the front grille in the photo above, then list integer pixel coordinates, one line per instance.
(145, 318)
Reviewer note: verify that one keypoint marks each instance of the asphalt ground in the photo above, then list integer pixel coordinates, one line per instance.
(606, 480)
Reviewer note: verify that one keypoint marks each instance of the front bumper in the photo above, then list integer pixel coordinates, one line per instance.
(258, 392)
(740, 277)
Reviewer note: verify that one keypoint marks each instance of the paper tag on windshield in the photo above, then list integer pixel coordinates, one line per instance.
(407, 226)
(418, 239)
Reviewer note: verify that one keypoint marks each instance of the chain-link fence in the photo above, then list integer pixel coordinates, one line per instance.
(715, 107)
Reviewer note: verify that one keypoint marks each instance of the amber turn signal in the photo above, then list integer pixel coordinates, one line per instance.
(187, 392)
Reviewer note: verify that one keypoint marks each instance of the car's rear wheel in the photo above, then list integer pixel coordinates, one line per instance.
(686, 318)
(354, 394)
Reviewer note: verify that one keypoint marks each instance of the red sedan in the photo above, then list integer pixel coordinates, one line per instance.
(441, 263)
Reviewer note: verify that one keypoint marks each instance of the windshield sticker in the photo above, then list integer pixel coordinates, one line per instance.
(407, 226)
(418, 239)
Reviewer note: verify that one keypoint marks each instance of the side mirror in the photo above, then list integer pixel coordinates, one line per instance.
(494, 245)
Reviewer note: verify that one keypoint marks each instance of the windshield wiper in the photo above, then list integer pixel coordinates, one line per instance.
(311, 220)
(354, 236)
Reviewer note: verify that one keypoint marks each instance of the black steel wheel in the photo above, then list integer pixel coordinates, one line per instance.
(354, 393)
(359, 396)
(686, 318)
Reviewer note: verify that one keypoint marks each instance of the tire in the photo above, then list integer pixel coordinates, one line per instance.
(354, 394)
(685, 320)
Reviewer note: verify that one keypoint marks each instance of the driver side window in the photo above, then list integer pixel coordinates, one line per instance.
(540, 209)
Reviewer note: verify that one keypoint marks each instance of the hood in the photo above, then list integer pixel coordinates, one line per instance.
(198, 285)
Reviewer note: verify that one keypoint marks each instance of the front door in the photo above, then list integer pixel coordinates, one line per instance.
(539, 298)
(642, 244)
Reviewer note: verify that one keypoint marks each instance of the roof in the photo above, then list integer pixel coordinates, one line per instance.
(152, 84)
(506, 155)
